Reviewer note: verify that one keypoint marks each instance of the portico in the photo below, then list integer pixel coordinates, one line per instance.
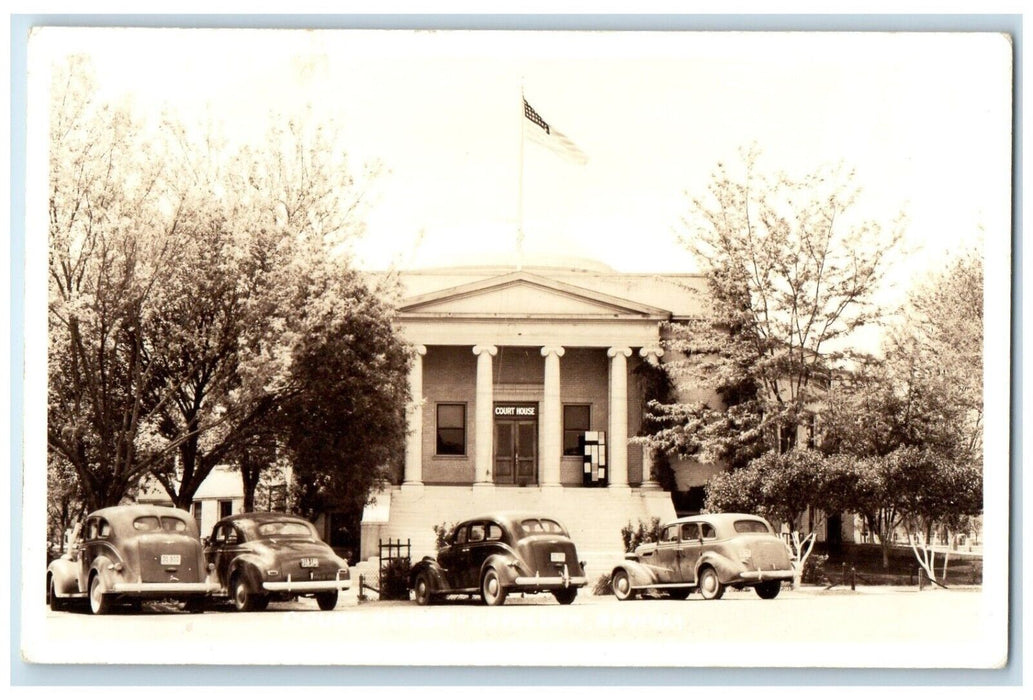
(526, 392)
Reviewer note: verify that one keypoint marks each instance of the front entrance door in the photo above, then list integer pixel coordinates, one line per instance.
(516, 452)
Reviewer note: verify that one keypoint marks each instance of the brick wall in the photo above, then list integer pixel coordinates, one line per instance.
(450, 376)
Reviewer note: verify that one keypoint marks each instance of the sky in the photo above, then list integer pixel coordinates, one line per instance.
(924, 119)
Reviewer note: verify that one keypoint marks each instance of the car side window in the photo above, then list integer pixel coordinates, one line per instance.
(494, 532)
(477, 532)
(219, 535)
(689, 532)
(91, 530)
(709, 533)
(460, 537)
(670, 534)
(232, 535)
(104, 528)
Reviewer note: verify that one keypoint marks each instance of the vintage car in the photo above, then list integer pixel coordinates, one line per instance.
(707, 553)
(258, 557)
(495, 555)
(122, 555)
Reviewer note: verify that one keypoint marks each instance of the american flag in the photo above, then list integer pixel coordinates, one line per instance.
(547, 135)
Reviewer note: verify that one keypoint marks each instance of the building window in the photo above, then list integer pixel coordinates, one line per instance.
(225, 509)
(576, 421)
(195, 510)
(451, 429)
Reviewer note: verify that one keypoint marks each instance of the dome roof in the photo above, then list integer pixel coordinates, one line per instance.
(530, 261)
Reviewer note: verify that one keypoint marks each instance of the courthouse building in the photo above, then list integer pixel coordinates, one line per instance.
(526, 396)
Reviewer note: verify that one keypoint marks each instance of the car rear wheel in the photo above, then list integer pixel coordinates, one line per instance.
(100, 603)
(768, 589)
(565, 596)
(621, 585)
(327, 601)
(710, 587)
(244, 598)
(422, 589)
(492, 592)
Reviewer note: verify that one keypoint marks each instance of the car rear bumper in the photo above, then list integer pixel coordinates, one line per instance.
(549, 581)
(289, 586)
(776, 575)
(171, 590)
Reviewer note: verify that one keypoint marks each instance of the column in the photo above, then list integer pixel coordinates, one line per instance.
(651, 355)
(618, 437)
(483, 423)
(552, 418)
(413, 478)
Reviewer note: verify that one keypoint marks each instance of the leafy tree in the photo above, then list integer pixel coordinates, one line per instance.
(261, 238)
(201, 297)
(111, 248)
(913, 419)
(348, 384)
(791, 271)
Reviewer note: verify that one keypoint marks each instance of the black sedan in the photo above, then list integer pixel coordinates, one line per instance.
(494, 555)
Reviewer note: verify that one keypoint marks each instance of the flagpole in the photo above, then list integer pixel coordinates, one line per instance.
(520, 189)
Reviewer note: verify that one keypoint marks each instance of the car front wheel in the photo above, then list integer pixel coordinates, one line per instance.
(710, 587)
(245, 599)
(492, 592)
(52, 599)
(621, 585)
(327, 601)
(422, 589)
(100, 603)
(768, 589)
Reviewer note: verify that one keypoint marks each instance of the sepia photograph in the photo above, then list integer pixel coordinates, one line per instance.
(469, 348)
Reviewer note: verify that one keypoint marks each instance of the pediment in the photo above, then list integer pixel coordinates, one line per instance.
(522, 294)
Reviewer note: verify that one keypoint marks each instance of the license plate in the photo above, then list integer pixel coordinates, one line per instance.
(309, 563)
(170, 560)
(557, 557)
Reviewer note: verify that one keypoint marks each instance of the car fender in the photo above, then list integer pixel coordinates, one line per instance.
(103, 567)
(638, 574)
(438, 580)
(65, 575)
(503, 565)
(250, 567)
(726, 569)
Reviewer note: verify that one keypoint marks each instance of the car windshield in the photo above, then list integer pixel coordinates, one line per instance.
(149, 523)
(751, 526)
(284, 528)
(536, 526)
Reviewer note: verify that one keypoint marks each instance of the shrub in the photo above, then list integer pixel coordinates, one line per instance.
(602, 585)
(441, 533)
(814, 569)
(394, 580)
(634, 536)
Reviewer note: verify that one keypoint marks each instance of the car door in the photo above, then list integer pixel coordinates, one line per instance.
(453, 557)
(667, 555)
(224, 548)
(80, 553)
(479, 550)
(690, 549)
